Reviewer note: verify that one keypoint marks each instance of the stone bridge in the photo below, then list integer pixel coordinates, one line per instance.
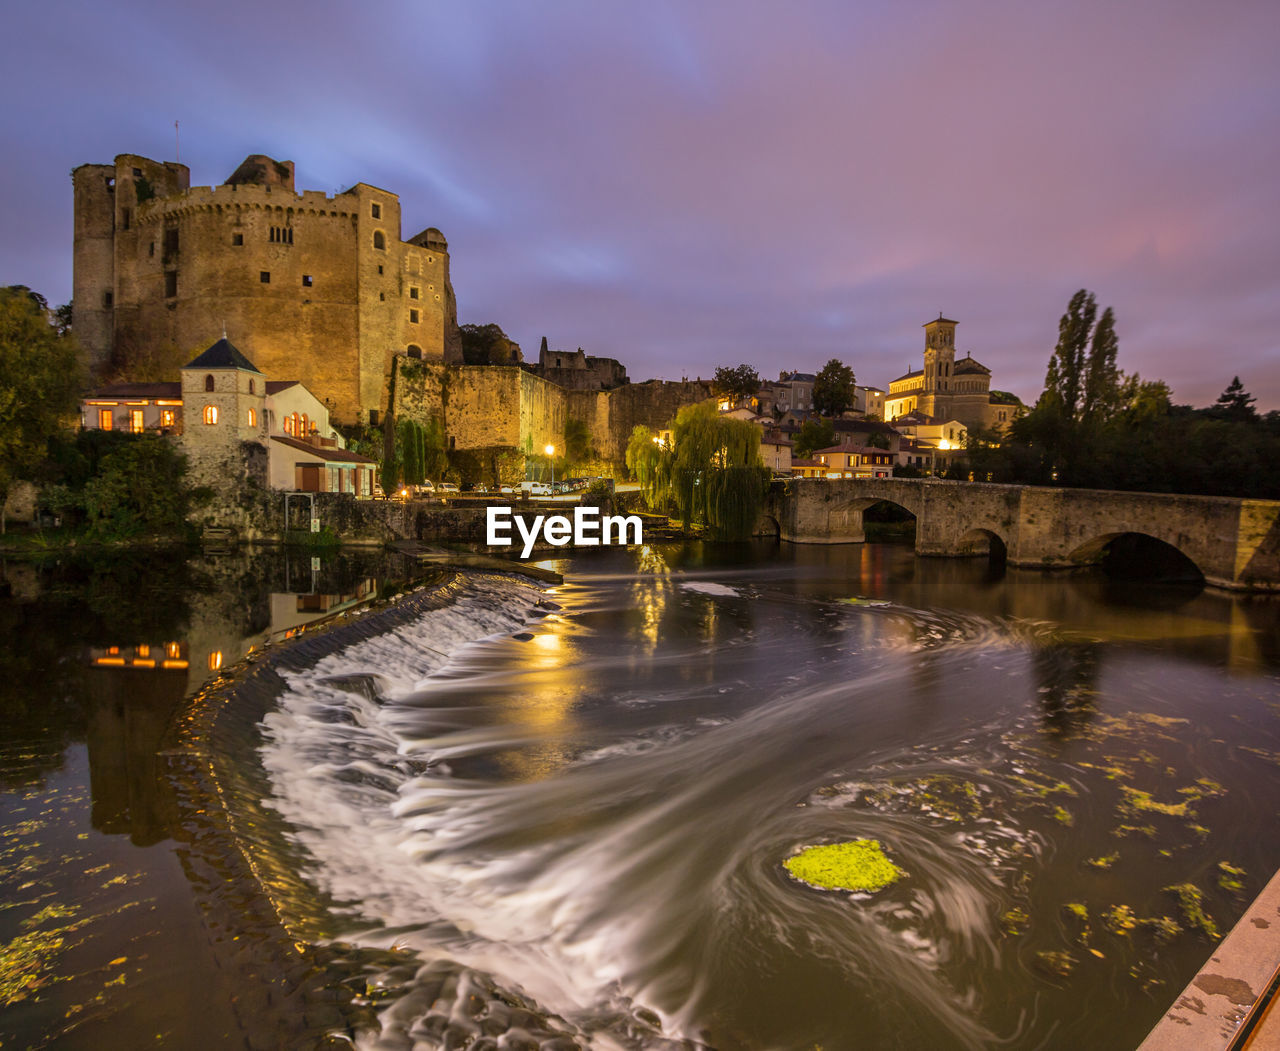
(1234, 543)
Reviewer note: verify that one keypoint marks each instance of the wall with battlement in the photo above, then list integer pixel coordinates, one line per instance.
(311, 287)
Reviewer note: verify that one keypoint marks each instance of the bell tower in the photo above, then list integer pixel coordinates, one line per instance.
(939, 355)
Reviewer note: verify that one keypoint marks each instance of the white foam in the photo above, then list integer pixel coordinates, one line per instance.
(706, 587)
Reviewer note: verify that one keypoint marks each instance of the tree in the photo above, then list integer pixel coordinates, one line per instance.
(139, 490)
(1064, 380)
(833, 389)
(1101, 378)
(815, 433)
(1235, 403)
(40, 382)
(736, 384)
(488, 345)
(577, 440)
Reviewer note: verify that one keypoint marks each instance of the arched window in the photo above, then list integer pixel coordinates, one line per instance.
(251, 385)
(253, 415)
(414, 350)
(379, 239)
(306, 427)
(208, 383)
(211, 414)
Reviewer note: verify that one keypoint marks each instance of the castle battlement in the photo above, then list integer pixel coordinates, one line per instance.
(263, 198)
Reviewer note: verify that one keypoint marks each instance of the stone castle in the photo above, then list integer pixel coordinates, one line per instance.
(323, 289)
(312, 286)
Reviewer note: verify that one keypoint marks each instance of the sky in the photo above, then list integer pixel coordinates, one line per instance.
(686, 185)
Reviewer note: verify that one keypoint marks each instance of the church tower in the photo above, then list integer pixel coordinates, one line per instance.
(939, 357)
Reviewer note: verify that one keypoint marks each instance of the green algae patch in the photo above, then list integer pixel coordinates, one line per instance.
(1229, 877)
(1119, 919)
(1055, 964)
(1164, 928)
(857, 865)
(1103, 862)
(1191, 901)
(1138, 802)
(1015, 921)
(1063, 816)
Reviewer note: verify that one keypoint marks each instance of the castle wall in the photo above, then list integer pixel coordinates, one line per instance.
(341, 294)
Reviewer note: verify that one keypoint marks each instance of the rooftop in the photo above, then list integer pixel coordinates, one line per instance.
(223, 355)
(329, 453)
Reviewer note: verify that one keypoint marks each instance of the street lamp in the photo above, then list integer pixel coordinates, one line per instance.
(550, 450)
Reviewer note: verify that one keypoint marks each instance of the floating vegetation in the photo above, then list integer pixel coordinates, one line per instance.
(1063, 816)
(1054, 963)
(1078, 914)
(24, 964)
(1042, 789)
(1119, 919)
(1148, 831)
(1190, 899)
(1137, 802)
(1262, 753)
(1015, 921)
(1103, 862)
(858, 865)
(1229, 877)
(1164, 928)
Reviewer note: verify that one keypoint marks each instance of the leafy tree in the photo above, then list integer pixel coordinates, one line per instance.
(815, 433)
(713, 471)
(643, 457)
(40, 381)
(736, 383)
(488, 345)
(139, 490)
(1235, 403)
(833, 389)
(1064, 381)
(577, 440)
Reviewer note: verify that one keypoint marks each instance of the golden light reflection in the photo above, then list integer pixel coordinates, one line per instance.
(547, 642)
(143, 662)
(215, 660)
(650, 593)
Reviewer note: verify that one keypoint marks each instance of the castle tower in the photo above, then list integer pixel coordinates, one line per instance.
(939, 357)
(224, 419)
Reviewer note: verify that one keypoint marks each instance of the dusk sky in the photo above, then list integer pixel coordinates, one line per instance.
(682, 186)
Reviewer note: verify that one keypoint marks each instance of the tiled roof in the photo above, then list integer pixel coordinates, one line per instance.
(324, 453)
(222, 355)
(138, 390)
(968, 364)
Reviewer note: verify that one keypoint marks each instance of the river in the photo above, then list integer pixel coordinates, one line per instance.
(567, 810)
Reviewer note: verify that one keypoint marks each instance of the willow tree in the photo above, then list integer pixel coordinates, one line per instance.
(711, 470)
(644, 458)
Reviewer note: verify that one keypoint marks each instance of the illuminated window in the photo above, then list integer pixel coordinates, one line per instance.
(142, 651)
(215, 660)
(172, 649)
(135, 421)
(253, 418)
(104, 419)
(166, 417)
(306, 426)
(211, 414)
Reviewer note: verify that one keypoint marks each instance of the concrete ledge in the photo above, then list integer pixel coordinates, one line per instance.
(1230, 987)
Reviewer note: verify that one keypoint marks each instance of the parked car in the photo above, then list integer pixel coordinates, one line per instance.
(537, 488)
(506, 489)
(448, 489)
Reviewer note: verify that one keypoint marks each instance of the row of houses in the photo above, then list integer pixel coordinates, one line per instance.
(223, 409)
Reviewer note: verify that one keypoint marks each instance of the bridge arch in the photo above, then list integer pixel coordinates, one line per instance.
(982, 542)
(1138, 553)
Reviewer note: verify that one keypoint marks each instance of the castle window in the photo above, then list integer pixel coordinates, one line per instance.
(171, 241)
(282, 235)
(251, 390)
(413, 317)
(379, 268)
(306, 280)
(253, 417)
(414, 350)
(211, 414)
(413, 293)
(379, 241)
(124, 216)
(376, 211)
(107, 299)
(170, 283)
(382, 297)
(264, 276)
(111, 185)
(105, 419)
(152, 250)
(166, 417)
(137, 173)
(237, 240)
(208, 383)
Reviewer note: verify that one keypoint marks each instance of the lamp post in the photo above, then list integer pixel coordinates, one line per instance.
(551, 453)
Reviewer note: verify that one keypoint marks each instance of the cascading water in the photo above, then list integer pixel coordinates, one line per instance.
(588, 801)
